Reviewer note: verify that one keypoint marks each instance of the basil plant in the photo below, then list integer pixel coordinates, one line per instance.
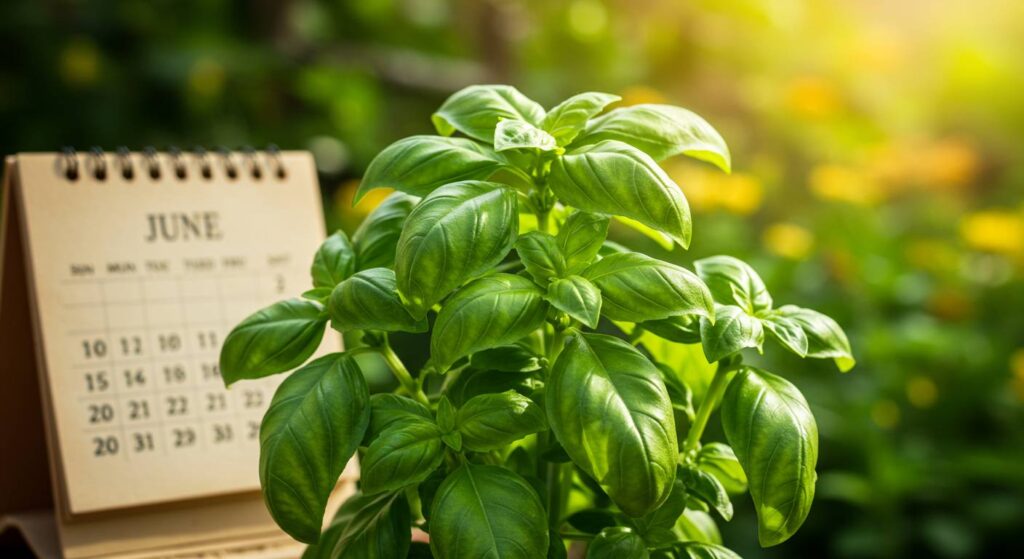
(541, 418)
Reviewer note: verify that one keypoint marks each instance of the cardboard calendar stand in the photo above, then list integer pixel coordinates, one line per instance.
(92, 462)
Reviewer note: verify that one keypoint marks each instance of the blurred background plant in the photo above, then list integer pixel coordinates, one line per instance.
(878, 150)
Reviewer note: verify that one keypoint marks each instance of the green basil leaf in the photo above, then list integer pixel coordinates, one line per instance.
(313, 426)
(732, 331)
(609, 408)
(733, 282)
(661, 239)
(611, 247)
(698, 526)
(453, 440)
(489, 312)
(492, 421)
(373, 527)
(358, 516)
(707, 488)
(682, 401)
(458, 232)
(445, 415)
(334, 261)
(696, 550)
(519, 134)
(578, 298)
(660, 131)
(318, 294)
(580, 239)
(686, 361)
(788, 332)
(768, 423)
(511, 358)
(487, 511)
(476, 110)
(657, 526)
(568, 119)
(427, 489)
(614, 178)
(401, 456)
(720, 461)
(377, 236)
(369, 301)
(272, 340)
(638, 288)
(388, 410)
(617, 543)
(540, 255)
(418, 165)
(825, 339)
(324, 547)
(683, 329)
(473, 382)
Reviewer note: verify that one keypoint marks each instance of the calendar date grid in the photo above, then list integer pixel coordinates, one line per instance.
(151, 384)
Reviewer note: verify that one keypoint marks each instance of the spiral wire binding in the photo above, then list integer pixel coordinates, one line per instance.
(204, 162)
(99, 163)
(179, 165)
(124, 160)
(96, 162)
(69, 159)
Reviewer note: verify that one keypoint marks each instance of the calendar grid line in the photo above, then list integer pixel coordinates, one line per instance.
(221, 313)
(131, 302)
(88, 331)
(174, 276)
(201, 435)
(152, 361)
(113, 366)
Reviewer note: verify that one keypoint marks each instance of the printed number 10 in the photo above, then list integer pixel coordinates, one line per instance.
(94, 348)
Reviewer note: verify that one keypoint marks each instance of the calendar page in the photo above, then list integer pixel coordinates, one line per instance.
(136, 281)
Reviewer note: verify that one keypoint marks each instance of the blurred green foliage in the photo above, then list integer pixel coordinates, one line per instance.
(879, 178)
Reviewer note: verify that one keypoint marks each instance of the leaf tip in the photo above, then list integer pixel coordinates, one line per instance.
(845, 364)
(441, 124)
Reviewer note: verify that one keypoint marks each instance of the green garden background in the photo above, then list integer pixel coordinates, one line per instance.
(878, 149)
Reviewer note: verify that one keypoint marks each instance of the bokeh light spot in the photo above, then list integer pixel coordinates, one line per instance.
(922, 392)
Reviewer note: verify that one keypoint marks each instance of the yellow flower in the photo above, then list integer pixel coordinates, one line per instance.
(949, 163)
(845, 184)
(879, 50)
(80, 62)
(695, 182)
(788, 240)
(922, 392)
(813, 97)
(709, 189)
(739, 193)
(1000, 231)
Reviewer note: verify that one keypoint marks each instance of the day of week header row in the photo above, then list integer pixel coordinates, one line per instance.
(160, 267)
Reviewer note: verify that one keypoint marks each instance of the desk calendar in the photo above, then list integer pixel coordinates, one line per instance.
(122, 274)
